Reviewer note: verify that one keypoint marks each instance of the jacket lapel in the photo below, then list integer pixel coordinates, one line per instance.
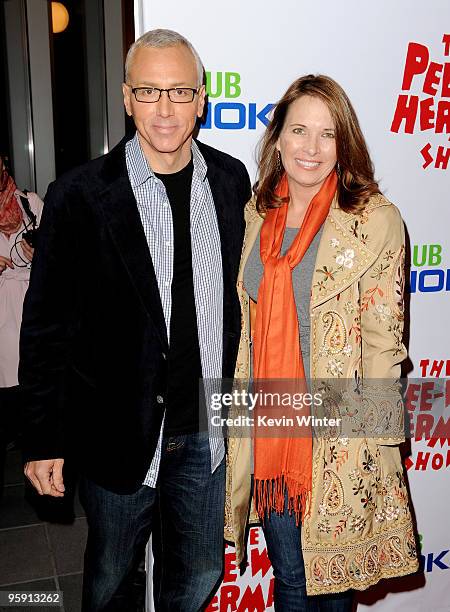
(253, 227)
(230, 236)
(121, 215)
(341, 259)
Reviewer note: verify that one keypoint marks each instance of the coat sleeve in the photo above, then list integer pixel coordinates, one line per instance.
(47, 326)
(382, 319)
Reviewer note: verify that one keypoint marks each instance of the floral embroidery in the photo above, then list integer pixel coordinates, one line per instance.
(357, 523)
(368, 298)
(339, 528)
(324, 387)
(347, 350)
(400, 495)
(380, 271)
(382, 312)
(389, 481)
(335, 337)
(391, 513)
(347, 510)
(397, 331)
(333, 496)
(345, 258)
(333, 454)
(350, 412)
(328, 273)
(356, 330)
(324, 526)
(368, 463)
(380, 516)
(341, 458)
(358, 487)
(335, 367)
(379, 486)
(354, 474)
(349, 307)
(322, 350)
(399, 283)
(367, 500)
(363, 565)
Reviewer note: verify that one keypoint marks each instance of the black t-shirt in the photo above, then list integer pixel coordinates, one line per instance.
(182, 405)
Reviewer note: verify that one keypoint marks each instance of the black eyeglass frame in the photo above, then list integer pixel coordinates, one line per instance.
(194, 92)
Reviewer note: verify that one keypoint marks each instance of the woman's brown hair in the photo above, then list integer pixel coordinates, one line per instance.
(356, 182)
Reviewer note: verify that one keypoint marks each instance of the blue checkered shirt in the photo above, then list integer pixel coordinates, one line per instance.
(156, 217)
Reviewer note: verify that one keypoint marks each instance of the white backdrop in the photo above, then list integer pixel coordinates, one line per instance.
(252, 51)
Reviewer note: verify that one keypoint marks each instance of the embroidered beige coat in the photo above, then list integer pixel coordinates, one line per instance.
(359, 529)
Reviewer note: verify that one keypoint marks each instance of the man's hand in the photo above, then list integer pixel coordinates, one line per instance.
(5, 263)
(27, 250)
(46, 476)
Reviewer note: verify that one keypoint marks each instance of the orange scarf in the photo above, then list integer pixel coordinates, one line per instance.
(283, 463)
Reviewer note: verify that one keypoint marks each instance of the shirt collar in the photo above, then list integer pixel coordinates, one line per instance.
(200, 166)
(140, 170)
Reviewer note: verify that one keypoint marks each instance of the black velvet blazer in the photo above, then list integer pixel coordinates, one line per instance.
(93, 343)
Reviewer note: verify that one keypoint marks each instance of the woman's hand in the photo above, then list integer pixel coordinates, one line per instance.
(5, 263)
(27, 250)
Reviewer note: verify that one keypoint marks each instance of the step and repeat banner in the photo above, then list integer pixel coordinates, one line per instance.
(393, 59)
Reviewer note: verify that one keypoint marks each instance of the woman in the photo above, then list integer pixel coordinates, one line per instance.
(19, 213)
(321, 285)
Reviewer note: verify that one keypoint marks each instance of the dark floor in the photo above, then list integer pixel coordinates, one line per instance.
(41, 541)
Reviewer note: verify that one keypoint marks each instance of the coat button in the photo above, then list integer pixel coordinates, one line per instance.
(160, 399)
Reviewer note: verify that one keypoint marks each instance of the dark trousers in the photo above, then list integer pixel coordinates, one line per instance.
(283, 546)
(186, 514)
(10, 414)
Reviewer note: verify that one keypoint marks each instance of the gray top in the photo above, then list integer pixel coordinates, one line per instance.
(301, 280)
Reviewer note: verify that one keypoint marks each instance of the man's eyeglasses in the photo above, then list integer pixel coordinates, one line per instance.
(179, 95)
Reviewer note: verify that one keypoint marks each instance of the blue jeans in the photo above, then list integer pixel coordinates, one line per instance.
(283, 546)
(185, 512)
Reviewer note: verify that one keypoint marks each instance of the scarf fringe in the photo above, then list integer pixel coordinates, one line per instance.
(270, 495)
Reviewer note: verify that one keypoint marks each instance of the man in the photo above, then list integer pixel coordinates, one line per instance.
(133, 299)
